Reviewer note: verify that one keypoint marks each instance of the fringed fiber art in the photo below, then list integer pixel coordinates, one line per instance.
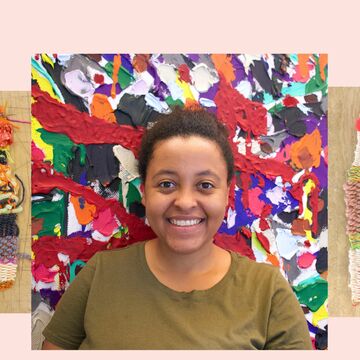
(10, 205)
(352, 202)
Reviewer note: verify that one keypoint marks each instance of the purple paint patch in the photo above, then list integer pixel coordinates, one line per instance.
(321, 173)
(126, 63)
(106, 89)
(240, 73)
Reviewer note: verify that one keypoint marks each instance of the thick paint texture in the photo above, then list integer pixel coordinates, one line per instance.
(88, 188)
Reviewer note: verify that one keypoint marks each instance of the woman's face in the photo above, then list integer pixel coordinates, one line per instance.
(186, 192)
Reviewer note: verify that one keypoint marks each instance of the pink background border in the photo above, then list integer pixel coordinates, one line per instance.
(161, 25)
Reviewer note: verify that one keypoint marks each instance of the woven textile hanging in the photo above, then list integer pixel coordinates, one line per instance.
(10, 205)
(352, 201)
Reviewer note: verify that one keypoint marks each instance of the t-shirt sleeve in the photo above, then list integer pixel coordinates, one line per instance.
(287, 328)
(66, 328)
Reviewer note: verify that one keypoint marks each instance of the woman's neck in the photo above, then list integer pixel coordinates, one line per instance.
(185, 272)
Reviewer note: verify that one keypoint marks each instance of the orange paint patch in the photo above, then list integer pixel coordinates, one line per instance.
(323, 60)
(224, 66)
(306, 152)
(140, 62)
(273, 260)
(192, 104)
(116, 68)
(84, 211)
(299, 226)
(101, 108)
(303, 65)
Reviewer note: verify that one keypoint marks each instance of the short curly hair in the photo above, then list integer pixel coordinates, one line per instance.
(184, 123)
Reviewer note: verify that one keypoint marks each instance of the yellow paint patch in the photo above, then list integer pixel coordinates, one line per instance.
(35, 135)
(188, 95)
(310, 185)
(320, 314)
(47, 59)
(57, 230)
(43, 83)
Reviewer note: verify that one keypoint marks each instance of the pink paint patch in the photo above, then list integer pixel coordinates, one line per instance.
(305, 260)
(105, 223)
(358, 124)
(42, 273)
(36, 153)
(284, 154)
(298, 76)
(255, 204)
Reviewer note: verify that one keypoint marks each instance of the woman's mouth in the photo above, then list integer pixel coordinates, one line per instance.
(185, 222)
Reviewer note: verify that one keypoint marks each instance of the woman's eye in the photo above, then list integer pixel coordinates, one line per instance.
(206, 186)
(166, 184)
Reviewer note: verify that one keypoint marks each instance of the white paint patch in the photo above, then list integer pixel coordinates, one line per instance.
(156, 104)
(244, 88)
(207, 102)
(231, 216)
(287, 243)
(65, 259)
(203, 78)
(277, 195)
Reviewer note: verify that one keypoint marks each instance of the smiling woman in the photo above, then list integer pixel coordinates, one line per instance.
(180, 290)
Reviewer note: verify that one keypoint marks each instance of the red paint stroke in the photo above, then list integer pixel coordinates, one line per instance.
(80, 127)
(245, 186)
(270, 168)
(235, 243)
(99, 78)
(234, 110)
(231, 197)
(313, 200)
(246, 231)
(263, 241)
(264, 225)
(305, 260)
(184, 73)
(47, 248)
(45, 179)
(290, 101)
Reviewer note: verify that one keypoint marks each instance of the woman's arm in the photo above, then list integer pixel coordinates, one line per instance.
(50, 346)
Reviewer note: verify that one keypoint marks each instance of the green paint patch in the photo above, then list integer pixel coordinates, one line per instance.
(133, 194)
(53, 214)
(257, 244)
(124, 77)
(64, 150)
(171, 102)
(312, 292)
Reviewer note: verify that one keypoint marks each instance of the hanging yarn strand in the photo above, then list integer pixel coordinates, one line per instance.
(352, 201)
(9, 206)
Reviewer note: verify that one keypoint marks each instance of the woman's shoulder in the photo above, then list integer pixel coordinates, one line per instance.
(126, 256)
(253, 270)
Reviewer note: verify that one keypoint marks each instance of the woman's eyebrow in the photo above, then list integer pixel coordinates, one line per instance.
(208, 173)
(165, 172)
(169, 172)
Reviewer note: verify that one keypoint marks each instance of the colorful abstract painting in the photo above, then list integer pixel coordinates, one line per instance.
(88, 116)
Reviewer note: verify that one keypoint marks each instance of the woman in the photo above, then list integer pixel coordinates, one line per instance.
(180, 290)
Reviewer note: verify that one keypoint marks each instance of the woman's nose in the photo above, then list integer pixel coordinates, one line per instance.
(185, 199)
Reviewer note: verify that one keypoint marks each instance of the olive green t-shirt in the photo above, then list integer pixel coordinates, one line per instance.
(116, 302)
